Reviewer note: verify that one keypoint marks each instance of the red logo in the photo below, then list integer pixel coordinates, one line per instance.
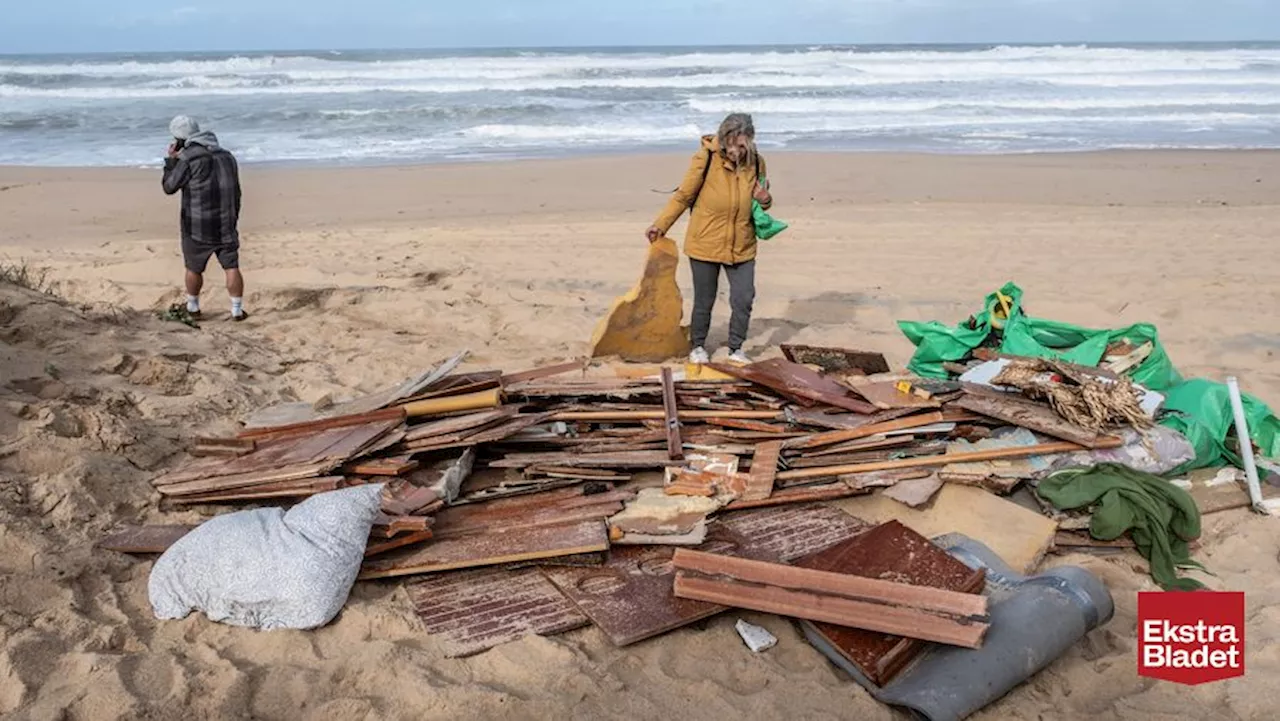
(1191, 638)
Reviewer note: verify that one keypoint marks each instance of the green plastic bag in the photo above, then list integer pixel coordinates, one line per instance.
(767, 226)
(1201, 408)
(1201, 411)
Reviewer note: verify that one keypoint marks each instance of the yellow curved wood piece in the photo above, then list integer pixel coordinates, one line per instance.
(644, 325)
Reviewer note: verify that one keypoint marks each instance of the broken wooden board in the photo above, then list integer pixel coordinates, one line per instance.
(630, 597)
(543, 372)
(1034, 416)
(394, 466)
(492, 549)
(889, 551)
(632, 459)
(764, 467)
(837, 360)
(144, 539)
(492, 434)
(644, 325)
(790, 532)
(223, 447)
(379, 547)
(671, 408)
(1041, 449)
(473, 611)
(798, 383)
(1018, 536)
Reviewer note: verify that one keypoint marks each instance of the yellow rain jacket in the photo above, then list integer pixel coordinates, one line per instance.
(720, 227)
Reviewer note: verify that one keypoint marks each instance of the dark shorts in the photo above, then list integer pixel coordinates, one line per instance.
(196, 257)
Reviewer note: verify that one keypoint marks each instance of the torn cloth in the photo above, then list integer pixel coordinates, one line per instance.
(1161, 516)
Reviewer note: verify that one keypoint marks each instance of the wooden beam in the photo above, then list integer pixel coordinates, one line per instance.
(833, 437)
(619, 416)
(831, 609)
(924, 598)
(1043, 449)
(671, 411)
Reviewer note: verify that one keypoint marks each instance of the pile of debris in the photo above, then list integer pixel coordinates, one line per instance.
(542, 501)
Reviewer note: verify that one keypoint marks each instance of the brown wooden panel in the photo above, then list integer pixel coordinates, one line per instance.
(473, 611)
(790, 532)
(798, 383)
(630, 597)
(764, 466)
(889, 551)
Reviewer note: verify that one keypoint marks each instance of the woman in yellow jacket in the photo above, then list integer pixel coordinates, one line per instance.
(725, 175)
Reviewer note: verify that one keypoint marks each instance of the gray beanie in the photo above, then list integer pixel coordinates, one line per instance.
(183, 127)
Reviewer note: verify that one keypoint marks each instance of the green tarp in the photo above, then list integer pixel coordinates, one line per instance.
(1201, 409)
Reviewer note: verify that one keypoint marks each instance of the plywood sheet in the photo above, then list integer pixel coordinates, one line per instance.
(1019, 536)
(790, 532)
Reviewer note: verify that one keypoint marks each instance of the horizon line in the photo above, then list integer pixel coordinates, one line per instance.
(678, 46)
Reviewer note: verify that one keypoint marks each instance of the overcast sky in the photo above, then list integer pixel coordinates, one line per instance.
(142, 25)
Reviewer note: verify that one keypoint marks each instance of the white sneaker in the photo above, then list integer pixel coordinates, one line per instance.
(699, 356)
(739, 357)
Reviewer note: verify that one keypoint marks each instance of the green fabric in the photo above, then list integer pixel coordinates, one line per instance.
(767, 226)
(1160, 516)
(1201, 408)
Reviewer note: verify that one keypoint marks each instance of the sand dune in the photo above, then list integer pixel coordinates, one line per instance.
(361, 276)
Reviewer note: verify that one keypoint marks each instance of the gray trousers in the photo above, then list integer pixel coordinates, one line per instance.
(742, 294)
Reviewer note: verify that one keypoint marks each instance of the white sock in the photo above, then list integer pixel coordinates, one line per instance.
(193, 304)
(237, 306)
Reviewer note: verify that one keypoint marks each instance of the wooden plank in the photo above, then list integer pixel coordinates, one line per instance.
(685, 415)
(491, 550)
(1034, 416)
(833, 437)
(223, 447)
(226, 483)
(635, 459)
(282, 490)
(144, 539)
(670, 408)
(395, 466)
(831, 609)
(472, 611)
(493, 434)
(828, 492)
(310, 427)
(544, 372)
(894, 552)
(402, 540)
(745, 425)
(455, 424)
(1042, 449)
(764, 466)
(903, 595)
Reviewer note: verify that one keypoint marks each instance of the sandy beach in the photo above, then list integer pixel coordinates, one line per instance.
(360, 276)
